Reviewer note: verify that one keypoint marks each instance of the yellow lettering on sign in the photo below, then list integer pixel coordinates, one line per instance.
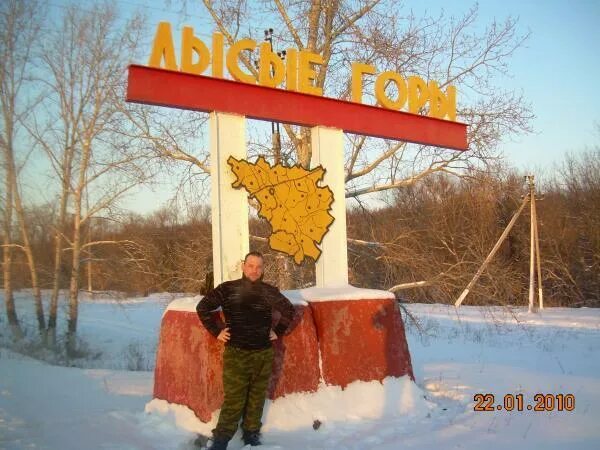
(380, 94)
(451, 103)
(299, 70)
(414, 90)
(190, 44)
(232, 60)
(440, 104)
(307, 74)
(163, 48)
(418, 94)
(272, 70)
(291, 70)
(217, 55)
(358, 69)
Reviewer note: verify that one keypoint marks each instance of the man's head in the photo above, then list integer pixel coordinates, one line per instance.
(253, 266)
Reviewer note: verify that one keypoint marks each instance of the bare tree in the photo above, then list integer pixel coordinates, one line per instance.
(380, 33)
(94, 155)
(60, 145)
(19, 25)
(436, 235)
(175, 138)
(570, 231)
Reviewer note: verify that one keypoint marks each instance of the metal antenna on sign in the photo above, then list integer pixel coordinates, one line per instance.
(275, 135)
(282, 261)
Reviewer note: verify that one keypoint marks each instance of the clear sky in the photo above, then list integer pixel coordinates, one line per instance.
(557, 69)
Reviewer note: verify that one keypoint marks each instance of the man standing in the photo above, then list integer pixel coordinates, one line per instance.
(247, 304)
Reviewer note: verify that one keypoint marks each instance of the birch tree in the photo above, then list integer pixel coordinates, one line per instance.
(96, 161)
(19, 26)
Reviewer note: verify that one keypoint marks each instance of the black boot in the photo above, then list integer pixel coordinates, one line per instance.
(251, 438)
(219, 443)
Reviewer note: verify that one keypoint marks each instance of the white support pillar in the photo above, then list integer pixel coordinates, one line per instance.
(229, 206)
(328, 151)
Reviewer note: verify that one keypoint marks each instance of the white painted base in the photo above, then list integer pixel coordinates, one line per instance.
(328, 151)
(229, 206)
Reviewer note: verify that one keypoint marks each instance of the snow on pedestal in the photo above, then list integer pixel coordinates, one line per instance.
(339, 335)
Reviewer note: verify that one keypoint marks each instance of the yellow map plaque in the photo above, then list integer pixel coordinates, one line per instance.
(289, 198)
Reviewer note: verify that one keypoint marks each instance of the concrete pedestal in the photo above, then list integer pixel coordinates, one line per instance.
(333, 341)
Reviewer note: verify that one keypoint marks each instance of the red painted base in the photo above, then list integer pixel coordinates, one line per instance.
(361, 340)
(296, 364)
(189, 365)
(355, 339)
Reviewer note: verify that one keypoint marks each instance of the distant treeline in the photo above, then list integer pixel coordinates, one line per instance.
(438, 231)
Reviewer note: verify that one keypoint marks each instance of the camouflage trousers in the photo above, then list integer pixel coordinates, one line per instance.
(246, 376)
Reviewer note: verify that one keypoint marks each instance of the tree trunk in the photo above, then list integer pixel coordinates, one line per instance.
(88, 264)
(284, 272)
(37, 294)
(74, 284)
(52, 314)
(19, 26)
(9, 301)
(304, 148)
(11, 175)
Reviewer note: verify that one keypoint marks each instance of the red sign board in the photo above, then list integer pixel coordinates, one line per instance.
(200, 93)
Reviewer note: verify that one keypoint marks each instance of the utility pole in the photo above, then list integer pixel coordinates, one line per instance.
(492, 252)
(534, 257)
(537, 256)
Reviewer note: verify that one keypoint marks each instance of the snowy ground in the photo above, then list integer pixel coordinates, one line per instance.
(105, 401)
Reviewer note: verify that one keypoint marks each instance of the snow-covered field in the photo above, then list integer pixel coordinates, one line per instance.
(104, 401)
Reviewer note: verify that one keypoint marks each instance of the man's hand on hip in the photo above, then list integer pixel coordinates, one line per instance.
(224, 335)
(272, 335)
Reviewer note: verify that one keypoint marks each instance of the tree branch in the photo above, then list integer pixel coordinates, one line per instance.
(289, 25)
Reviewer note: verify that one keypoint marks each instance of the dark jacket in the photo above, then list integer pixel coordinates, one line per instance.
(247, 308)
